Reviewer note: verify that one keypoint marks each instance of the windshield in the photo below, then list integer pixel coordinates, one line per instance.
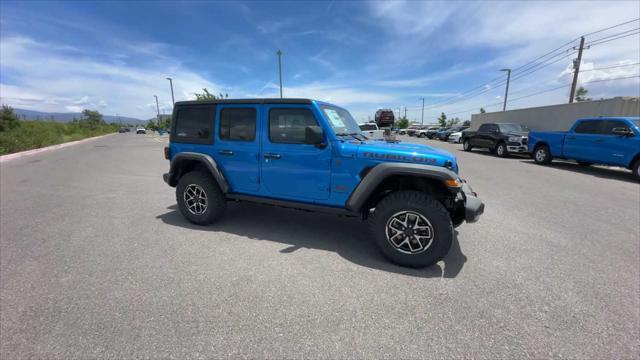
(512, 127)
(340, 120)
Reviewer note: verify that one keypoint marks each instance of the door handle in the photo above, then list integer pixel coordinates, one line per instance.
(271, 156)
(225, 152)
(571, 138)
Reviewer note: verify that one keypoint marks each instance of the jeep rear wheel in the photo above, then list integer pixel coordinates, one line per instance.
(411, 229)
(466, 145)
(199, 198)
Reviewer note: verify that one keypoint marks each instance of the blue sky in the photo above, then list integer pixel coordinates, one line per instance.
(114, 56)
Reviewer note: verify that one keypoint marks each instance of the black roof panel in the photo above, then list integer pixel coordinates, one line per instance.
(246, 101)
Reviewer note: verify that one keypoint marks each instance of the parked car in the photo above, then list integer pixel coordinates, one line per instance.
(609, 141)
(411, 130)
(122, 130)
(141, 130)
(385, 118)
(500, 138)
(424, 131)
(371, 131)
(431, 132)
(444, 135)
(455, 137)
(311, 155)
(439, 133)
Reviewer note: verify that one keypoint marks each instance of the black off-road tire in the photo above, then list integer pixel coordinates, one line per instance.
(501, 150)
(424, 205)
(466, 145)
(542, 155)
(215, 201)
(636, 169)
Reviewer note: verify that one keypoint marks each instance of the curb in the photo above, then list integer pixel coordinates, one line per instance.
(21, 154)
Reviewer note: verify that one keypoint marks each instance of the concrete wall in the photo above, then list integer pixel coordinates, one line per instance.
(561, 117)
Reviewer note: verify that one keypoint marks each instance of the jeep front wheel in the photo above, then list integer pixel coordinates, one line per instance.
(199, 198)
(411, 229)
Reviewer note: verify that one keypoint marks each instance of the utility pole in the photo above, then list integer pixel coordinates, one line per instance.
(399, 109)
(576, 70)
(422, 118)
(157, 108)
(405, 112)
(506, 91)
(173, 100)
(279, 53)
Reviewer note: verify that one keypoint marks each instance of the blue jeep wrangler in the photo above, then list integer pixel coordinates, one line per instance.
(311, 155)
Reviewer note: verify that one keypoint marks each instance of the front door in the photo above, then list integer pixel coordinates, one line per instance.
(237, 148)
(583, 143)
(292, 169)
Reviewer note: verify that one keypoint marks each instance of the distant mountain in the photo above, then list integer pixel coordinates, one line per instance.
(67, 117)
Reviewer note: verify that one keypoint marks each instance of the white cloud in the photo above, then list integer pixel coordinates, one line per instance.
(69, 81)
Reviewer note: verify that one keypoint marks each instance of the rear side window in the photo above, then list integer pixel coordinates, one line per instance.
(609, 125)
(488, 127)
(194, 124)
(238, 124)
(589, 127)
(288, 126)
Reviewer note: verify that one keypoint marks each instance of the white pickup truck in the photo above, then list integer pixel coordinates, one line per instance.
(371, 131)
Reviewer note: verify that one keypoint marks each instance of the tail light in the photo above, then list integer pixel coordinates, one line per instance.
(166, 152)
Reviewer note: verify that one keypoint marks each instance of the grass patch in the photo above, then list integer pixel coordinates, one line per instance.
(29, 135)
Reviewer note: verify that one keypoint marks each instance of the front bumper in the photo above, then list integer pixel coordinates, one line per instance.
(517, 149)
(473, 206)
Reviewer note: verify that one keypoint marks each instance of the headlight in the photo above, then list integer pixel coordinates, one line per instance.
(515, 138)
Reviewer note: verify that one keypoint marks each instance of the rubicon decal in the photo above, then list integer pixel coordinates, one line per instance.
(396, 157)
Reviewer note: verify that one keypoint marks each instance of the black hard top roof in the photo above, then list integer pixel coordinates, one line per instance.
(246, 101)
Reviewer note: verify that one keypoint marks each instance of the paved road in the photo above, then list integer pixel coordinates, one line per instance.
(95, 261)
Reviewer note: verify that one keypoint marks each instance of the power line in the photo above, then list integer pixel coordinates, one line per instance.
(613, 35)
(610, 67)
(616, 38)
(530, 67)
(611, 27)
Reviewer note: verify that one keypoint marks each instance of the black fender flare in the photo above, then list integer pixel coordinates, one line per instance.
(180, 159)
(380, 172)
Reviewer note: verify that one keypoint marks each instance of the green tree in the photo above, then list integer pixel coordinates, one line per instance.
(151, 125)
(482, 110)
(452, 122)
(92, 119)
(9, 119)
(442, 120)
(581, 94)
(206, 95)
(402, 123)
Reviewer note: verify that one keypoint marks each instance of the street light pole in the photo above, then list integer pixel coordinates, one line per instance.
(279, 53)
(506, 91)
(158, 109)
(422, 118)
(173, 100)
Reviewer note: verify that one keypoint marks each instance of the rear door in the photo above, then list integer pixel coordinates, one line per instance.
(291, 169)
(583, 143)
(616, 149)
(237, 149)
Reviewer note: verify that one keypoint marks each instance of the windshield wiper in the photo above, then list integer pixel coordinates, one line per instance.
(355, 135)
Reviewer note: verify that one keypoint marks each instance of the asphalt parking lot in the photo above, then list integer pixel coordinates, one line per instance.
(96, 262)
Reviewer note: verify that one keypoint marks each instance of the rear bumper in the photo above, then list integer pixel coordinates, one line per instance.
(473, 206)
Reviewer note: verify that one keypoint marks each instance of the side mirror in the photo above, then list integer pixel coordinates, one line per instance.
(622, 131)
(313, 136)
